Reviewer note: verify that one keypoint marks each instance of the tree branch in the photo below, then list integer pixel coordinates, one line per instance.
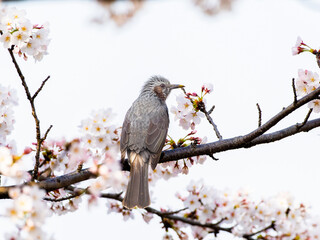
(234, 143)
(46, 133)
(51, 184)
(172, 215)
(260, 115)
(34, 113)
(294, 92)
(40, 88)
(74, 195)
(281, 115)
(63, 181)
(178, 153)
(305, 119)
(207, 114)
(24, 84)
(202, 108)
(249, 236)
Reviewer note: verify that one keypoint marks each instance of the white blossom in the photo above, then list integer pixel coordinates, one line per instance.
(296, 49)
(18, 31)
(192, 202)
(315, 105)
(306, 82)
(6, 39)
(29, 212)
(8, 99)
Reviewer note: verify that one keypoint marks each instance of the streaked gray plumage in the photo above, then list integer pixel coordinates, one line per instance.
(143, 136)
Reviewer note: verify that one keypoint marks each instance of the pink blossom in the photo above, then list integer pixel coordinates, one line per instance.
(27, 150)
(296, 49)
(147, 217)
(192, 202)
(207, 88)
(306, 82)
(185, 169)
(27, 38)
(315, 105)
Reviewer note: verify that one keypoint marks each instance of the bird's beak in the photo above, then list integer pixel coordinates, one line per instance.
(173, 86)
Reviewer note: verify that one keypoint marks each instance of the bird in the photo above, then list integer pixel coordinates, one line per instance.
(143, 136)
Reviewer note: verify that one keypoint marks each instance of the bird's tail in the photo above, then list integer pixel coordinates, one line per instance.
(137, 193)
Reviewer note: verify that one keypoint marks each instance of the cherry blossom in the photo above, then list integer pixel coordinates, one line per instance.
(296, 49)
(315, 105)
(8, 99)
(11, 165)
(274, 217)
(18, 31)
(29, 212)
(99, 132)
(307, 82)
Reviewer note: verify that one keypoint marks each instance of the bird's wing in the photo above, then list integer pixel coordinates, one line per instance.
(156, 134)
(124, 137)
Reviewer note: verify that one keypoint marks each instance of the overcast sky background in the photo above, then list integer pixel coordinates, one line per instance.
(245, 53)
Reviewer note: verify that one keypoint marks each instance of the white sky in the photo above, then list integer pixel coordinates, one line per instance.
(245, 53)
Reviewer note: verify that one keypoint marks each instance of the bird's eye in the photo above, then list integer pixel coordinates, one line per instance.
(162, 85)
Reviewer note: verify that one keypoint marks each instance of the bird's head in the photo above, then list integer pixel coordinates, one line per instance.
(160, 87)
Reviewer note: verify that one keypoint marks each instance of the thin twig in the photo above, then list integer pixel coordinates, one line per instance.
(300, 125)
(202, 108)
(46, 134)
(260, 115)
(213, 157)
(294, 92)
(20, 73)
(174, 212)
(114, 196)
(74, 195)
(189, 221)
(87, 191)
(42, 163)
(40, 88)
(221, 220)
(249, 236)
(211, 109)
(34, 113)
(37, 163)
(215, 127)
(79, 168)
(44, 174)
